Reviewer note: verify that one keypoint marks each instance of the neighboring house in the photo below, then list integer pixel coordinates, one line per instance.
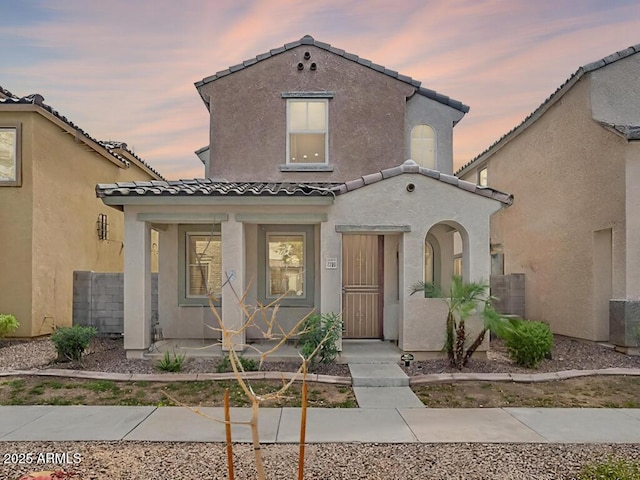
(52, 224)
(318, 202)
(573, 166)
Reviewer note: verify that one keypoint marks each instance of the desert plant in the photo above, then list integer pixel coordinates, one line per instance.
(465, 299)
(247, 364)
(528, 342)
(320, 334)
(270, 329)
(71, 342)
(610, 469)
(8, 324)
(171, 364)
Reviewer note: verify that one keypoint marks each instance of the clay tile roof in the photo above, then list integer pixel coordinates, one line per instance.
(560, 91)
(215, 188)
(7, 98)
(411, 167)
(220, 188)
(309, 40)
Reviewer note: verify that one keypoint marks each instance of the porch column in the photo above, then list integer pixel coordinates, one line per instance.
(137, 286)
(233, 273)
(331, 277)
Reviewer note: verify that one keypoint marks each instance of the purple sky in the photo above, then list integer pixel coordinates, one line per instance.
(124, 70)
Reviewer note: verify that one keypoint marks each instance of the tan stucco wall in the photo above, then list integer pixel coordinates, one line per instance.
(248, 117)
(61, 210)
(566, 173)
(16, 218)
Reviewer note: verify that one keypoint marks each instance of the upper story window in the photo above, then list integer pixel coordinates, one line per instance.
(10, 155)
(307, 126)
(482, 177)
(423, 146)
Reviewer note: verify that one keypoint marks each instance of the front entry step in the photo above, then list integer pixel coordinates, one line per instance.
(386, 397)
(378, 375)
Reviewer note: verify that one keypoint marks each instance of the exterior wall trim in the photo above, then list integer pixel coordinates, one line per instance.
(290, 218)
(308, 94)
(163, 217)
(373, 228)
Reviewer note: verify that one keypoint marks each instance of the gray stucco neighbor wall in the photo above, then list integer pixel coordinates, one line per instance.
(98, 300)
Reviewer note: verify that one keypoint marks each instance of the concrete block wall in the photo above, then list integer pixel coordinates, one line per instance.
(509, 291)
(98, 300)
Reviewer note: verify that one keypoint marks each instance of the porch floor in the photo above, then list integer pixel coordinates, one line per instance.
(353, 351)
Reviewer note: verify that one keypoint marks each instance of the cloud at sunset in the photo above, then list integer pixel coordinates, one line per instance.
(125, 70)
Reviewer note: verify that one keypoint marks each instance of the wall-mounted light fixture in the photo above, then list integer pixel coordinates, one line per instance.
(102, 226)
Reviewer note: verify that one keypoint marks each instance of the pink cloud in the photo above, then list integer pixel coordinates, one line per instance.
(125, 70)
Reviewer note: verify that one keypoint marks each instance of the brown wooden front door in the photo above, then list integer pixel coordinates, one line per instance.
(362, 281)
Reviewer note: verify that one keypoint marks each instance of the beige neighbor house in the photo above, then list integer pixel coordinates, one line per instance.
(573, 166)
(309, 193)
(52, 224)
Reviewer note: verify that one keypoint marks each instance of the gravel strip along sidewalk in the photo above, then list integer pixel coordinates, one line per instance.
(190, 461)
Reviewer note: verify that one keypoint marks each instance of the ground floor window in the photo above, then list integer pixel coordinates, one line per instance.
(205, 265)
(286, 265)
(199, 264)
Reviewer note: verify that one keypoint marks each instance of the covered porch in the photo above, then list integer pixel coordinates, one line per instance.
(353, 249)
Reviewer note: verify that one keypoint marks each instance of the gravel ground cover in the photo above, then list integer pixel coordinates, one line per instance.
(190, 461)
(107, 355)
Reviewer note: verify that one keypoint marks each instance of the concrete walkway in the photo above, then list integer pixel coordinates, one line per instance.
(388, 413)
(282, 425)
(382, 385)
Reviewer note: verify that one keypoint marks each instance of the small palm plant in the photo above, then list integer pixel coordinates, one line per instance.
(465, 299)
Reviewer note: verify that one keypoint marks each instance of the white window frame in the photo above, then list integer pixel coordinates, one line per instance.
(16, 180)
(325, 131)
(486, 179)
(267, 267)
(187, 283)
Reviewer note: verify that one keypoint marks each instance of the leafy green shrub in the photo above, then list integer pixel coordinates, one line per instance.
(248, 364)
(321, 330)
(169, 364)
(71, 342)
(529, 342)
(8, 324)
(611, 469)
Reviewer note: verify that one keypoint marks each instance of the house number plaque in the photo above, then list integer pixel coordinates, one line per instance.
(331, 263)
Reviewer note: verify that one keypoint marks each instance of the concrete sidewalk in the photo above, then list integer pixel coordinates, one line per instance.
(282, 425)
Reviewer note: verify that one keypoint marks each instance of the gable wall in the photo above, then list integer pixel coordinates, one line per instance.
(16, 233)
(566, 173)
(65, 173)
(248, 117)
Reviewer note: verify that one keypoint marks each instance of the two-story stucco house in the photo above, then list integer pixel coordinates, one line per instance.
(51, 222)
(309, 193)
(573, 166)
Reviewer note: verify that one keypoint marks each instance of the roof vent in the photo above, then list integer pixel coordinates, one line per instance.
(314, 66)
(300, 66)
(307, 55)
